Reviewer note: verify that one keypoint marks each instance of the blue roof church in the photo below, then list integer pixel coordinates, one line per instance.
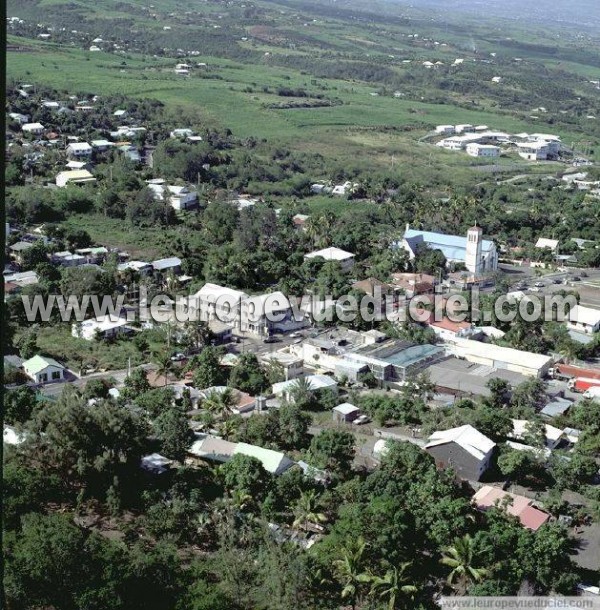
(477, 254)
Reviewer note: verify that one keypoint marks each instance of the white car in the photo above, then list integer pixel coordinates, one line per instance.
(361, 419)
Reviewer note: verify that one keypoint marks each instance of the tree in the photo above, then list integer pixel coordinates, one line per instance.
(136, 383)
(293, 426)
(46, 562)
(220, 403)
(302, 393)
(245, 474)
(248, 376)
(393, 585)
(174, 433)
(516, 465)
(208, 371)
(461, 558)
(349, 570)
(332, 450)
(27, 345)
(19, 405)
(306, 510)
(165, 365)
(499, 390)
(528, 395)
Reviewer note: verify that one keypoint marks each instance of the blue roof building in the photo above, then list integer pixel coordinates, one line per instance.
(453, 247)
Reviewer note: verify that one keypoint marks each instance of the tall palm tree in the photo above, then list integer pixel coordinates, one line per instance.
(393, 585)
(165, 365)
(349, 570)
(461, 558)
(302, 391)
(306, 510)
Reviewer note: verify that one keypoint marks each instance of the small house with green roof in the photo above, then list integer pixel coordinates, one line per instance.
(43, 369)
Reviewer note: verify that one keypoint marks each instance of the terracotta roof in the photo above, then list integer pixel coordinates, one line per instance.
(530, 517)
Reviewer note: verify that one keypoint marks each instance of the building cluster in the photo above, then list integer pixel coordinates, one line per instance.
(480, 141)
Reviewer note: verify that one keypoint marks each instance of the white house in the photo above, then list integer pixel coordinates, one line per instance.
(182, 133)
(42, 369)
(270, 312)
(316, 383)
(105, 327)
(219, 303)
(584, 319)
(179, 197)
(346, 259)
(22, 119)
(482, 150)
(551, 244)
(76, 176)
(79, 150)
(121, 114)
(101, 145)
(35, 129)
(445, 129)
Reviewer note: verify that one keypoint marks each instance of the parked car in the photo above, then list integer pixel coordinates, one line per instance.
(361, 419)
(177, 357)
(271, 340)
(576, 278)
(539, 284)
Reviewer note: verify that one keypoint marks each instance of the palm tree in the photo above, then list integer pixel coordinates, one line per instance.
(220, 403)
(302, 391)
(228, 427)
(460, 557)
(165, 365)
(392, 585)
(306, 510)
(349, 572)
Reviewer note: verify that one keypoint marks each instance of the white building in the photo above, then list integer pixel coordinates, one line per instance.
(182, 133)
(584, 319)
(502, 358)
(474, 253)
(268, 313)
(35, 129)
(551, 244)
(534, 151)
(445, 129)
(219, 303)
(346, 259)
(317, 383)
(482, 150)
(105, 327)
(454, 247)
(42, 369)
(76, 176)
(179, 197)
(79, 150)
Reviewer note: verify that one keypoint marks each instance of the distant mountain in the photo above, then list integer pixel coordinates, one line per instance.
(557, 13)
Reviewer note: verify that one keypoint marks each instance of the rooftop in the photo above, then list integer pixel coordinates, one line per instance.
(467, 437)
(330, 254)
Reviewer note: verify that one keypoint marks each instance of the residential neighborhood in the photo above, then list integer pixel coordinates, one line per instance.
(301, 306)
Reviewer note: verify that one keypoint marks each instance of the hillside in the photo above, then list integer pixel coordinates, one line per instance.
(326, 76)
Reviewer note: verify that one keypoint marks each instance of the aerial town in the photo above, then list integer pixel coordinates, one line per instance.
(242, 374)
